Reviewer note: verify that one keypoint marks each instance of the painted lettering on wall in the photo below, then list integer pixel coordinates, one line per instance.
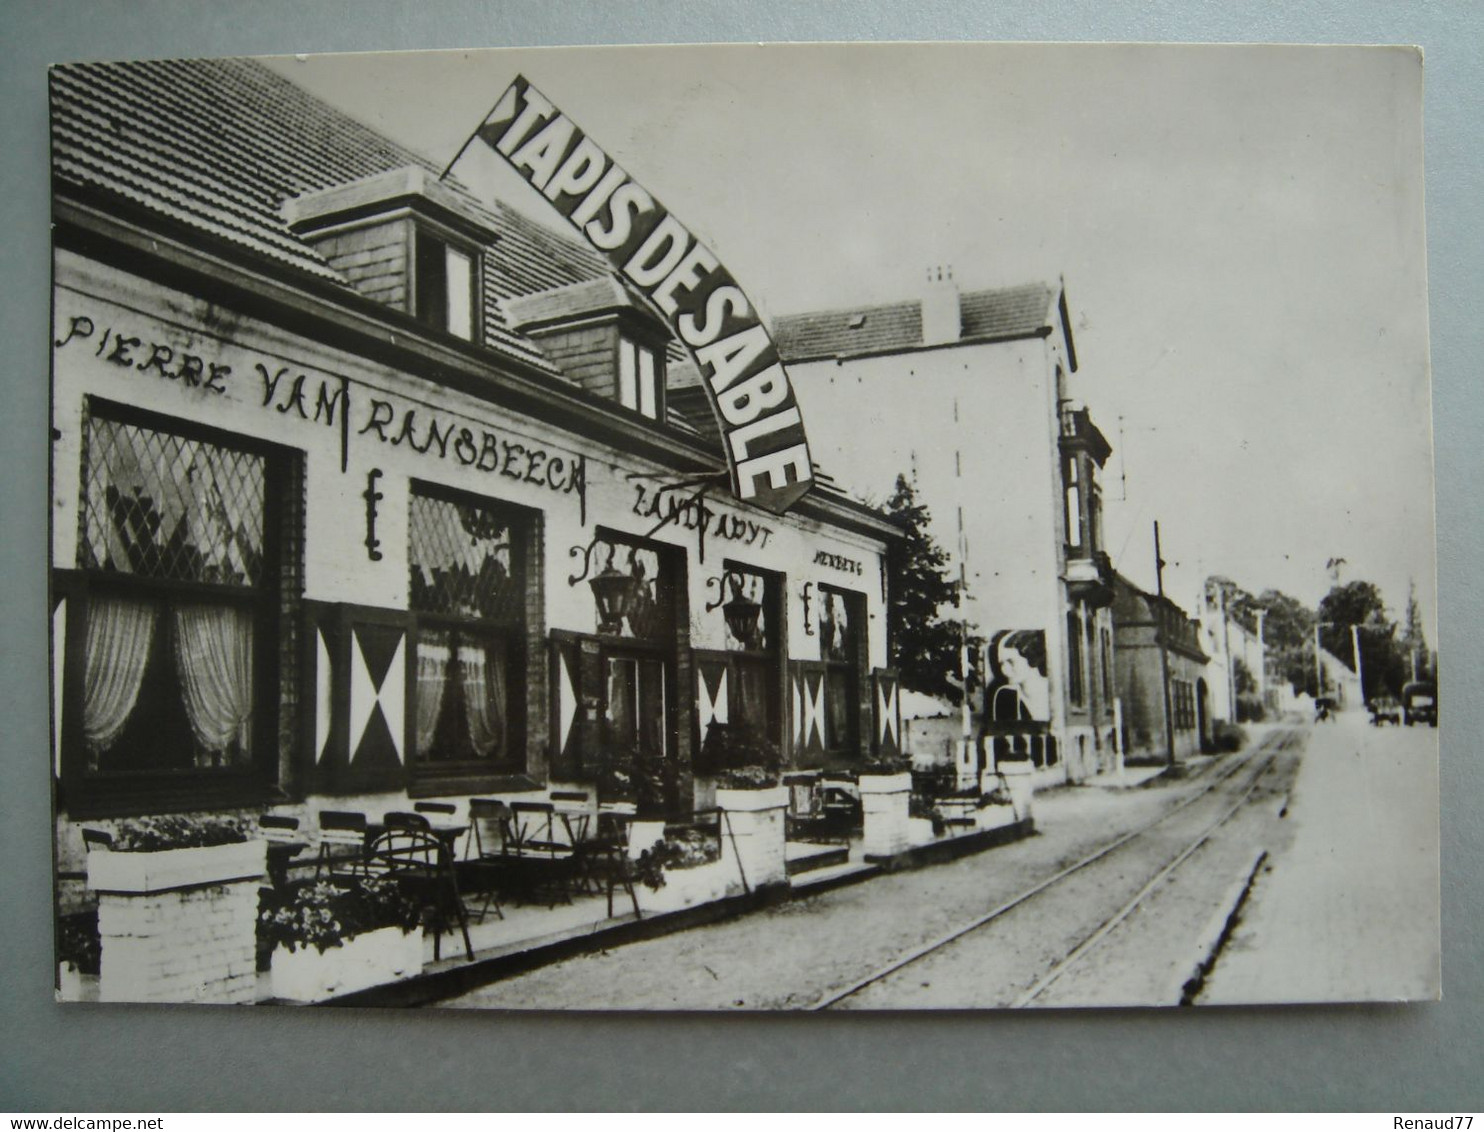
(158, 358)
(444, 439)
(290, 392)
(837, 562)
(763, 433)
(671, 507)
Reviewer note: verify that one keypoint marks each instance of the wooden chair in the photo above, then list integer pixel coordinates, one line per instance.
(420, 865)
(540, 851)
(436, 809)
(483, 866)
(97, 839)
(342, 844)
(281, 833)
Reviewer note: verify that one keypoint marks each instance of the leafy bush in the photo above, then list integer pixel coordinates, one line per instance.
(748, 778)
(1227, 737)
(325, 914)
(887, 764)
(733, 746)
(180, 831)
(1250, 708)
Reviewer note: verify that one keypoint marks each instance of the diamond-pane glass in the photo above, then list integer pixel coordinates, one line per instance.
(164, 506)
(460, 559)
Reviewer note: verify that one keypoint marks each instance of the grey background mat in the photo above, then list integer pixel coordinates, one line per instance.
(159, 1059)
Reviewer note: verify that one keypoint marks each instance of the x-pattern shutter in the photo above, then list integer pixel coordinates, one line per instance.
(807, 706)
(886, 712)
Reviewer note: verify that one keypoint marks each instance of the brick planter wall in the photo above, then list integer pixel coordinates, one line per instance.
(179, 925)
(753, 820)
(884, 809)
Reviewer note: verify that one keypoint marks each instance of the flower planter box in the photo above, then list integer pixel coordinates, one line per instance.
(168, 869)
(368, 960)
(178, 925)
(885, 800)
(688, 888)
(752, 833)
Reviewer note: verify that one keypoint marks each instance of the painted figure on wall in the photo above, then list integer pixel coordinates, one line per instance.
(1018, 690)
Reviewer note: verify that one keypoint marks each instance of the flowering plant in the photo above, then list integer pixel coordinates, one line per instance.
(180, 831)
(887, 764)
(325, 914)
(678, 849)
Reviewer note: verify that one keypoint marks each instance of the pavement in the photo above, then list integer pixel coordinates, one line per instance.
(1348, 907)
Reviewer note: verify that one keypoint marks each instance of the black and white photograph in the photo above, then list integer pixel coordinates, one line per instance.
(744, 528)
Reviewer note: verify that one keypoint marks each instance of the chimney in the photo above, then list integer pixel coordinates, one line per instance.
(940, 314)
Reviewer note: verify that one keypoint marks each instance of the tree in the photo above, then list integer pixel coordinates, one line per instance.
(1413, 642)
(1360, 604)
(923, 644)
(1289, 633)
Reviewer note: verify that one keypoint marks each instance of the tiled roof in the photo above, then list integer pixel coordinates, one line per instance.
(854, 331)
(220, 145)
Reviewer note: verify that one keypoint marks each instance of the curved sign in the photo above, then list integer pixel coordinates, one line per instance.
(762, 431)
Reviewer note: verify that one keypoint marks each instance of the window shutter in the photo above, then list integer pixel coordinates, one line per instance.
(576, 691)
(886, 712)
(806, 680)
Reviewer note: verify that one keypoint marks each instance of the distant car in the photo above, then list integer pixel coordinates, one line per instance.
(1385, 709)
(1420, 703)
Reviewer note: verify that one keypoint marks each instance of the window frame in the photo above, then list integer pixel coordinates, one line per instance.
(630, 346)
(433, 775)
(89, 794)
(421, 234)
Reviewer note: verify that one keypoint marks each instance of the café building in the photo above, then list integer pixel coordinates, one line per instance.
(365, 490)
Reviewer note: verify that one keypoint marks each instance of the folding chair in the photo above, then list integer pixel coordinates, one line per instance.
(342, 842)
(539, 849)
(280, 831)
(484, 865)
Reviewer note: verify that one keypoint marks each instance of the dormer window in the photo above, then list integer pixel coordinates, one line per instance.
(446, 286)
(640, 379)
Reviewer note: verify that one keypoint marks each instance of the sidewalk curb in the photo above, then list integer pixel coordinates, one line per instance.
(1216, 934)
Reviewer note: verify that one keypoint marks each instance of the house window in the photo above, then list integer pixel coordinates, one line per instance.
(842, 641)
(446, 283)
(640, 379)
(466, 561)
(173, 696)
(1076, 691)
(1073, 504)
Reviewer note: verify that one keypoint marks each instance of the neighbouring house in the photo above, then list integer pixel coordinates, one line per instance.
(972, 393)
(1163, 687)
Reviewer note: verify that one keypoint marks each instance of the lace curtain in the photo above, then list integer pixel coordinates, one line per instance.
(117, 652)
(213, 658)
(483, 673)
(432, 677)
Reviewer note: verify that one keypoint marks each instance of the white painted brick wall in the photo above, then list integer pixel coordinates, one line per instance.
(186, 945)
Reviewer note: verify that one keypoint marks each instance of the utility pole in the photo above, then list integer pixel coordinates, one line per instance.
(1359, 676)
(1262, 658)
(1161, 623)
(1318, 667)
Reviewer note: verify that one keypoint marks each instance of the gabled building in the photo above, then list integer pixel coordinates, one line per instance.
(973, 395)
(366, 490)
(1162, 682)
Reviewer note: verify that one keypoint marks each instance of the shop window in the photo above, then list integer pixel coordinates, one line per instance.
(842, 641)
(466, 561)
(641, 379)
(172, 695)
(740, 683)
(446, 286)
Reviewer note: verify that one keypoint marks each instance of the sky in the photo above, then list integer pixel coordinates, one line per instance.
(1240, 232)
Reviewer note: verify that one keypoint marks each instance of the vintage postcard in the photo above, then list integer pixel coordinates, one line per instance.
(744, 527)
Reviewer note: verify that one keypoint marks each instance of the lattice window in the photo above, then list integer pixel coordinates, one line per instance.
(461, 560)
(164, 506)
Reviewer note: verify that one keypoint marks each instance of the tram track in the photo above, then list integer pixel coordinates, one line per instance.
(1251, 768)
